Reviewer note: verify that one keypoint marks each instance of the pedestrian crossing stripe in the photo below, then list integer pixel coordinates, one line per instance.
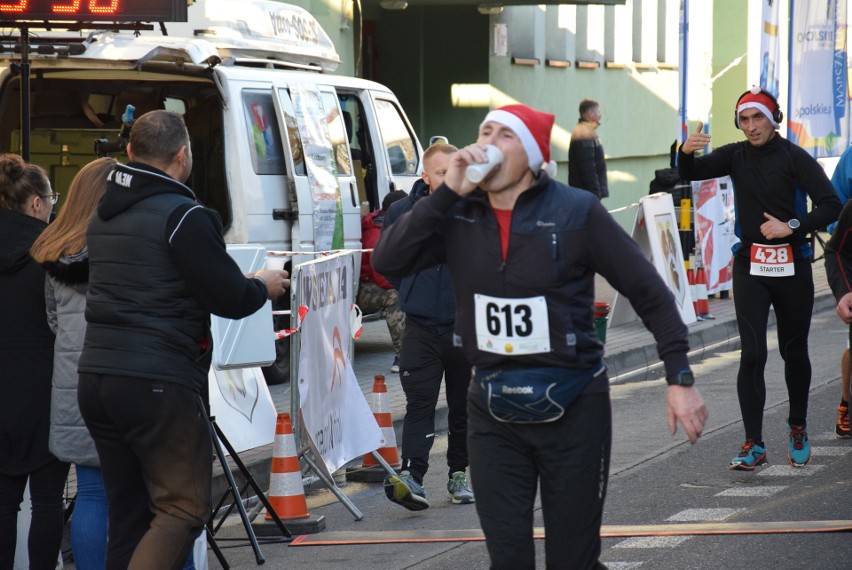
(607, 531)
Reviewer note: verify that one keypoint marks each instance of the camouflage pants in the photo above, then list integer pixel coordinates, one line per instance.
(372, 299)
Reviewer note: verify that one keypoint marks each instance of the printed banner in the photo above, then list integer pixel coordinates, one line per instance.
(336, 415)
(655, 231)
(321, 167)
(770, 47)
(666, 253)
(714, 230)
(818, 117)
(243, 407)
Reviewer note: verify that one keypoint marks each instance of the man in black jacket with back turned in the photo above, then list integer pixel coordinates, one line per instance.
(158, 268)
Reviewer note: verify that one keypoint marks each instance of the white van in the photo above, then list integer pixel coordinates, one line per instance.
(289, 154)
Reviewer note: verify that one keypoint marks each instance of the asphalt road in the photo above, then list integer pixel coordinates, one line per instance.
(655, 479)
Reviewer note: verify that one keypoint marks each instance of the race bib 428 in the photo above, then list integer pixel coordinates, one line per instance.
(772, 260)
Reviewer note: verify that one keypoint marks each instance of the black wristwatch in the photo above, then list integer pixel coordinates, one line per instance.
(683, 378)
(794, 224)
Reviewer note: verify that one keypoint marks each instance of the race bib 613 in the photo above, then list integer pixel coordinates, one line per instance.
(512, 326)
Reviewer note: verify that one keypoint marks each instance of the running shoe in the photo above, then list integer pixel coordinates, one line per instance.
(458, 489)
(842, 430)
(799, 451)
(751, 455)
(395, 365)
(404, 490)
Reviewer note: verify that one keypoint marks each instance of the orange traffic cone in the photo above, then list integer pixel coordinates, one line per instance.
(690, 278)
(701, 286)
(370, 470)
(286, 494)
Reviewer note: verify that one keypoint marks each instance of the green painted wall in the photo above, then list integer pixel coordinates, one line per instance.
(422, 52)
(639, 116)
(729, 42)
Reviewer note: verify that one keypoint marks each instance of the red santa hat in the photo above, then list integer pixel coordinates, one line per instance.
(533, 128)
(756, 98)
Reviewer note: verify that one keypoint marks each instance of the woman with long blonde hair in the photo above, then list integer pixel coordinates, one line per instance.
(62, 250)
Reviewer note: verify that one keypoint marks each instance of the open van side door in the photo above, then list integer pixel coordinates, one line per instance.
(385, 152)
(327, 213)
(400, 149)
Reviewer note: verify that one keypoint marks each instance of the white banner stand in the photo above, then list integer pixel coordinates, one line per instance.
(655, 230)
(326, 397)
(240, 399)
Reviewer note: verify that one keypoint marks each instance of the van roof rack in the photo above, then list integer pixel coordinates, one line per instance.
(237, 32)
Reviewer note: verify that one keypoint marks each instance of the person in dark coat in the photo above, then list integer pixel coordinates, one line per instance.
(429, 358)
(586, 164)
(26, 367)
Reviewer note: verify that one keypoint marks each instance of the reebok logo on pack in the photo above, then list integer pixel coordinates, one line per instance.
(517, 389)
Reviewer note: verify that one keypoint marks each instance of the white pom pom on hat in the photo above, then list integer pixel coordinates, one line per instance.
(533, 128)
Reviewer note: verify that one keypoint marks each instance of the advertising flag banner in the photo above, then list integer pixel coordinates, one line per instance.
(770, 47)
(818, 115)
(655, 231)
(336, 415)
(683, 37)
(714, 230)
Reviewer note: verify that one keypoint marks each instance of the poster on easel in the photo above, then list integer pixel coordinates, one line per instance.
(243, 407)
(335, 413)
(714, 231)
(239, 397)
(655, 230)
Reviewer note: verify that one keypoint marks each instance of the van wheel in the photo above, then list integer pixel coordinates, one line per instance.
(279, 371)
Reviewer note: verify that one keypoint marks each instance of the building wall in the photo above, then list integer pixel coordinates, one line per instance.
(730, 39)
(337, 19)
(617, 57)
(441, 63)
(422, 53)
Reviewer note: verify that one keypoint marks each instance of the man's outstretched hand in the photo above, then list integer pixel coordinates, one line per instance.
(686, 406)
(276, 280)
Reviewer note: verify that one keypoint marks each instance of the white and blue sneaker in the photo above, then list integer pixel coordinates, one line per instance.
(799, 452)
(751, 455)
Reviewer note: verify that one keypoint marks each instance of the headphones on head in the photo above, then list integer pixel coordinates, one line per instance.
(777, 115)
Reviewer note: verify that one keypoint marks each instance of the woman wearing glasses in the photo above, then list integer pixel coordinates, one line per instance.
(26, 354)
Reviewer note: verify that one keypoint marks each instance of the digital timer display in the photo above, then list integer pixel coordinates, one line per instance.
(94, 10)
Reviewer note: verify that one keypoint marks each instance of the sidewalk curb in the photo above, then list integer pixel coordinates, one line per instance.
(705, 338)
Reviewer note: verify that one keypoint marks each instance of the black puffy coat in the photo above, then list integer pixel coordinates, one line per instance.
(26, 349)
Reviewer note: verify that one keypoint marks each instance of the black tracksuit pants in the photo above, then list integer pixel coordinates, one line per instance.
(568, 460)
(426, 358)
(793, 301)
